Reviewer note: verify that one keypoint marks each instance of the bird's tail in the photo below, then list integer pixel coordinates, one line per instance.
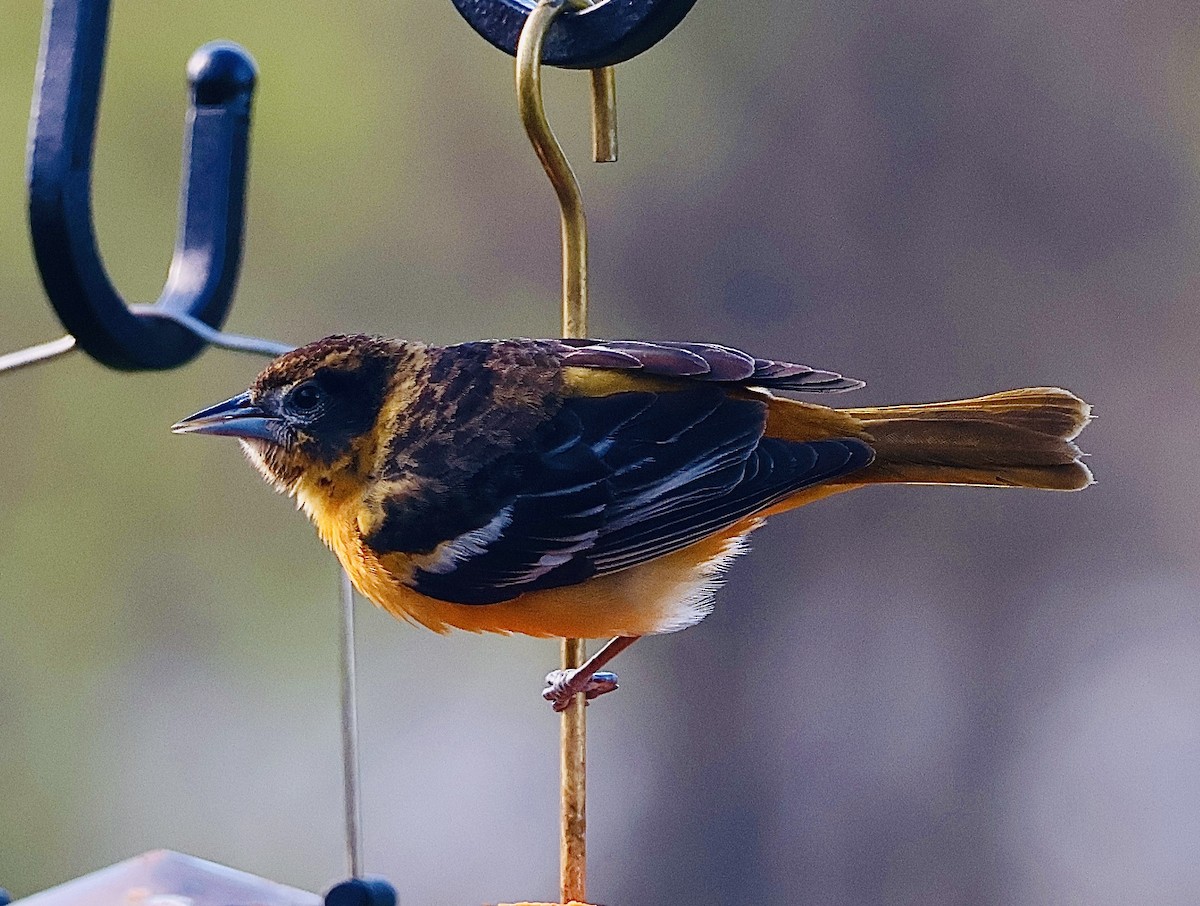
(1018, 438)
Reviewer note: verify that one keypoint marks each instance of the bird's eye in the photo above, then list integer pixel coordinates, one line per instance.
(306, 398)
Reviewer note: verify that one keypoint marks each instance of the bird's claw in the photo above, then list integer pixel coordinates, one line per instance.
(562, 686)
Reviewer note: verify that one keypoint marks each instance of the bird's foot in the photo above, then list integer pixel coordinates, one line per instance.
(563, 685)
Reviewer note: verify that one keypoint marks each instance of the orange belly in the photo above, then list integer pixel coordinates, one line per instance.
(664, 595)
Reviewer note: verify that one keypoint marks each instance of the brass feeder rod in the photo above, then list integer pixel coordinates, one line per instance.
(573, 737)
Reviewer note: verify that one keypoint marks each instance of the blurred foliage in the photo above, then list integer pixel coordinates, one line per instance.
(904, 696)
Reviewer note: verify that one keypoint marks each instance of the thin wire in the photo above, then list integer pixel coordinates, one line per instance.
(35, 355)
(232, 341)
(46, 352)
(352, 800)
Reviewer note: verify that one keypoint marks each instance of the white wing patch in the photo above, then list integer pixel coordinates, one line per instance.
(574, 544)
(448, 555)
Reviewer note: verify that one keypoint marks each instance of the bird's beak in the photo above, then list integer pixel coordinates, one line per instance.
(237, 417)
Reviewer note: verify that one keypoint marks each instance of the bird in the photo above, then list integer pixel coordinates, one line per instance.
(593, 488)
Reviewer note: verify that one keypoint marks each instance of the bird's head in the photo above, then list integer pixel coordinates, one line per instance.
(310, 416)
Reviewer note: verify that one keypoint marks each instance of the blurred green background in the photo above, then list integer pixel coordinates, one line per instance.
(905, 695)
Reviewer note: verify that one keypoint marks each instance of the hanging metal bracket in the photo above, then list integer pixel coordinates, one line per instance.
(204, 269)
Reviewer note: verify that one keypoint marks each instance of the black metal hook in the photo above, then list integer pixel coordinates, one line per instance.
(608, 33)
(208, 248)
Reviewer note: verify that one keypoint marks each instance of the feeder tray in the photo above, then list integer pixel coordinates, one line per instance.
(165, 878)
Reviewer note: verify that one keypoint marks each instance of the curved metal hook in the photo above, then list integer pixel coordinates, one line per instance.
(608, 33)
(208, 248)
(557, 167)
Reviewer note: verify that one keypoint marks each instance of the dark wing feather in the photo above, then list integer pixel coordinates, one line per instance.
(614, 481)
(775, 469)
(545, 528)
(699, 361)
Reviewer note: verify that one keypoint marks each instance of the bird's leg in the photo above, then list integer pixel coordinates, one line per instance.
(564, 685)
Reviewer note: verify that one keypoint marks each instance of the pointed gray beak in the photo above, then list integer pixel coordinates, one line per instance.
(236, 417)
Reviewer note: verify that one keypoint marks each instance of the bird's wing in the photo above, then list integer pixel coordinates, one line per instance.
(698, 361)
(617, 480)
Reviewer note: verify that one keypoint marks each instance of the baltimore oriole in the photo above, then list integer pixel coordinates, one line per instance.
(584, 488)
